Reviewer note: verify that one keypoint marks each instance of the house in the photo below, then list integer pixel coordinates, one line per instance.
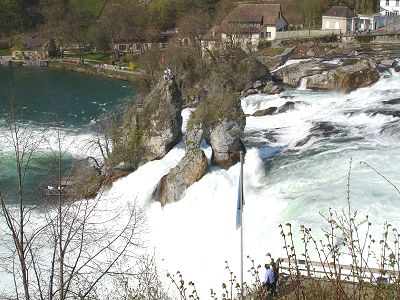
(31, 48)
(247, 25)
(375, 21)
(212, 39)
(341, 17)
(153, 40)
(389, 7)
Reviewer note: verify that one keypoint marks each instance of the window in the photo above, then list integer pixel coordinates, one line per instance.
(262, 35)
(327, 24)
(397, 2)
(387, 2)
(396, 12)
(268, 34)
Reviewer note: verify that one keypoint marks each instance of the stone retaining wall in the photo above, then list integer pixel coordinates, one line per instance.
(284, 35)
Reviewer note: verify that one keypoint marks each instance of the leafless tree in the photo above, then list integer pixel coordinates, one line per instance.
(72, 246)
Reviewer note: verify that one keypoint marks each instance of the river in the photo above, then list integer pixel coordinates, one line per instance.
(296, 166)
(48, 99)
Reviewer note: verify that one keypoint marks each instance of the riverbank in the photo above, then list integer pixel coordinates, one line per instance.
(92, 69)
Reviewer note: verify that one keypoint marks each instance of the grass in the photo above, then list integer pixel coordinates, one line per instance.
(96, 56)
(4, 52)
(272, 51)
(92, 6)
(364, 39)
(213, 110)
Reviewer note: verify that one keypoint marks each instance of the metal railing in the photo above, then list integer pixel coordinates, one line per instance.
(337, 271)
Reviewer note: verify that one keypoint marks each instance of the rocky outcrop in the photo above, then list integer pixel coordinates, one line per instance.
(258, 87)
(257, 73)
(161, 120)
(289, 105)
(265, 112)
(225, 140)
(190, 169)
(271, 88)
(292, 74)
(220, 121)
(259, 80)
(347, 77)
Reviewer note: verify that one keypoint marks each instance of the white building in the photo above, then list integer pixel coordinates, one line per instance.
(247, 25)
(390, 7)
(340, 17)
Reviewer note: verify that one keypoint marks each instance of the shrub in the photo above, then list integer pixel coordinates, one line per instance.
(264, 44)
(364, 39)
(215, 109)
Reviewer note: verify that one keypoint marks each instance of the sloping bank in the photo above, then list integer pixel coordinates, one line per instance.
(92, 70)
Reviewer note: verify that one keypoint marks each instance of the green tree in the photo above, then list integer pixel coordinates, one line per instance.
(312, 11)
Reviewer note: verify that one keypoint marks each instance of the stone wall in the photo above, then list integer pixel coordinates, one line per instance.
(284, 35)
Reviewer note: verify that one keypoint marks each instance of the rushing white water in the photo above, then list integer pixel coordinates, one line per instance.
(296, 166)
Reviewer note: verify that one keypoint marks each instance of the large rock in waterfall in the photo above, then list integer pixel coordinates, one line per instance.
(220, 121)
(294, 73)
(189, 170)
(148, 131)
(257, 74)
(161, 120)
(225, 140)
(351, 75)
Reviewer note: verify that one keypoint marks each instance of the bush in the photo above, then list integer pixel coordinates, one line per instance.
(364, 39)
(215, 109)
(264, 44)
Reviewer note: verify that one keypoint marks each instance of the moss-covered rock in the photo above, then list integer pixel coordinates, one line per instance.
(161, 121)
(220, 121)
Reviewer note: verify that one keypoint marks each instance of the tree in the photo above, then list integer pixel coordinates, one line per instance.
(192, 25)
(312, 11)
(68, 249)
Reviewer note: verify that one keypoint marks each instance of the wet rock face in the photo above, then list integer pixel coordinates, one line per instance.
(360, 74)
(220, 121)
(265, 112)
(226, 143)
(190, 169)
(162, 114)
(292, 74)
(350, 75)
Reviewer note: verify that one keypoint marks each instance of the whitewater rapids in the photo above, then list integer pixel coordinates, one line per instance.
(296, 166)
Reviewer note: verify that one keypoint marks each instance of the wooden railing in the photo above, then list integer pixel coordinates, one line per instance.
(333, 271)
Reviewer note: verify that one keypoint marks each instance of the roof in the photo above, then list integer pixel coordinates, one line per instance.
(213, 34)
(340, 12)
(253, 13)
(34, 43)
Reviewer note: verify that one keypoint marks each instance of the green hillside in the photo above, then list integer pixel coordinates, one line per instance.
(92, 6)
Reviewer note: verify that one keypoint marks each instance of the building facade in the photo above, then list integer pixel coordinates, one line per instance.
(341, 18)
(247, 25)
(389, 7)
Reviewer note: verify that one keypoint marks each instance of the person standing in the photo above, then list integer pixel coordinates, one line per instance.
(269, 280)
(275, 270)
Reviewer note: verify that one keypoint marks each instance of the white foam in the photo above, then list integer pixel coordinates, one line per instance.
(197, 234)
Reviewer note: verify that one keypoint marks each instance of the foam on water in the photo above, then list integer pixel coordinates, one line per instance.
(292, 178)
(283, 183)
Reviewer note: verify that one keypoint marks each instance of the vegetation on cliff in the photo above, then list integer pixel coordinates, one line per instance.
(215, 109)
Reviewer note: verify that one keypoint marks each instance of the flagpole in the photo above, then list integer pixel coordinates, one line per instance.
(241, 223)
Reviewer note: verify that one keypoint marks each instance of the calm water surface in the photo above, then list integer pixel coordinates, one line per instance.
(43, 97)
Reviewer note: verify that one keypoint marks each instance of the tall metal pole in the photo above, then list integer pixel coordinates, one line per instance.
(241, 223)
